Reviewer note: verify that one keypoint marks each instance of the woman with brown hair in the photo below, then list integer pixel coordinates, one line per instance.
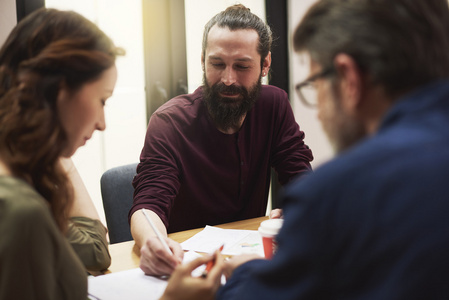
(56, 71)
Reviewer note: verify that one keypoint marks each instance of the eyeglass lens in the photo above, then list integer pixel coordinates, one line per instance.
(309, 94)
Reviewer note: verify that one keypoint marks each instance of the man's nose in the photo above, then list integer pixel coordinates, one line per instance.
(229, 76)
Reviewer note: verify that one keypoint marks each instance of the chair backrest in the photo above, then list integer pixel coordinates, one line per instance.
(117, 193)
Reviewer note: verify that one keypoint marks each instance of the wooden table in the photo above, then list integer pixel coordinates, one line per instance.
(126, 255)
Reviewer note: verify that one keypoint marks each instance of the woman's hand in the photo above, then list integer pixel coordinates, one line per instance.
(233, 263)
(182, 286)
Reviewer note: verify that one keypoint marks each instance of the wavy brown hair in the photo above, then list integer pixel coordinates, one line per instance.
(47, 50)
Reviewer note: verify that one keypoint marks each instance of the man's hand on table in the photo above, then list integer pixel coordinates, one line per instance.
(276, 214)
(156, 261)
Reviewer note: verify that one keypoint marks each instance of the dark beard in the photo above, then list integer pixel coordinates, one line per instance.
(226, 112)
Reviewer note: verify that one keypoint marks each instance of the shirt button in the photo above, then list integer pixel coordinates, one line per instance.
(242, 163)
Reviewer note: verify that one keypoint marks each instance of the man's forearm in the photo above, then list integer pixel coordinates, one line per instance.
(141, 230)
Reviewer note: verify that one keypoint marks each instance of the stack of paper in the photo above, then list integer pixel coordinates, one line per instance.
(235, 241)
(132, 284)
(135, 285)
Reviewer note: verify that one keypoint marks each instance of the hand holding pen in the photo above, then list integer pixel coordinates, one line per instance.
(210, 264)
(159, 255)
(183, 286)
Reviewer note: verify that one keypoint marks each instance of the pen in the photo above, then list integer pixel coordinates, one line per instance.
(159, 236)
(210, 264)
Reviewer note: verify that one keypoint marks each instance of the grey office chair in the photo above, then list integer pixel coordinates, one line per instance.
(117, 193)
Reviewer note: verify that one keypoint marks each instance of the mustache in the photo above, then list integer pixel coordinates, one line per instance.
(231, 89)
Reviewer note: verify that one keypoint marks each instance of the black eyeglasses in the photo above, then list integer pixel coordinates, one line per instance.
(306, 90)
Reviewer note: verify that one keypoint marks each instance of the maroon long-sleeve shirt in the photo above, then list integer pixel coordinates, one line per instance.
(192, 175)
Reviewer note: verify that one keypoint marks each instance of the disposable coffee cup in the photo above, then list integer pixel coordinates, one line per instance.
(268, 230)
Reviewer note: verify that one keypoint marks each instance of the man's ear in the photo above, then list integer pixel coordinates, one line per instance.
(266, 64)
(350, 82)
(202, 63)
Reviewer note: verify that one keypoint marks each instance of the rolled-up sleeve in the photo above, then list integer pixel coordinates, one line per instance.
(88, 239)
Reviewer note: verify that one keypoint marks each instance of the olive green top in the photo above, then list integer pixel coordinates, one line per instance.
(36, 260)
(88, 238)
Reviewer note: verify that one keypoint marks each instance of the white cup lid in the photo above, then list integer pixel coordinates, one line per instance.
(270, 227)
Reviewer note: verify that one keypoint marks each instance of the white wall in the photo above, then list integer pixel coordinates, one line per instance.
(122, 140)
(8, 18)
(299, 70)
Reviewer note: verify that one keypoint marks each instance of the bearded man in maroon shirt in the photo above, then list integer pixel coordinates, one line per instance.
(208, 155)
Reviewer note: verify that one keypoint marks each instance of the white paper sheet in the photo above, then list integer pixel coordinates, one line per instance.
(132, 284)
(235, 241)
(135, 285)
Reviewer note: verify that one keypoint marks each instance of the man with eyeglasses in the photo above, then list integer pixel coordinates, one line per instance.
(373, 223)
(306, 90)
